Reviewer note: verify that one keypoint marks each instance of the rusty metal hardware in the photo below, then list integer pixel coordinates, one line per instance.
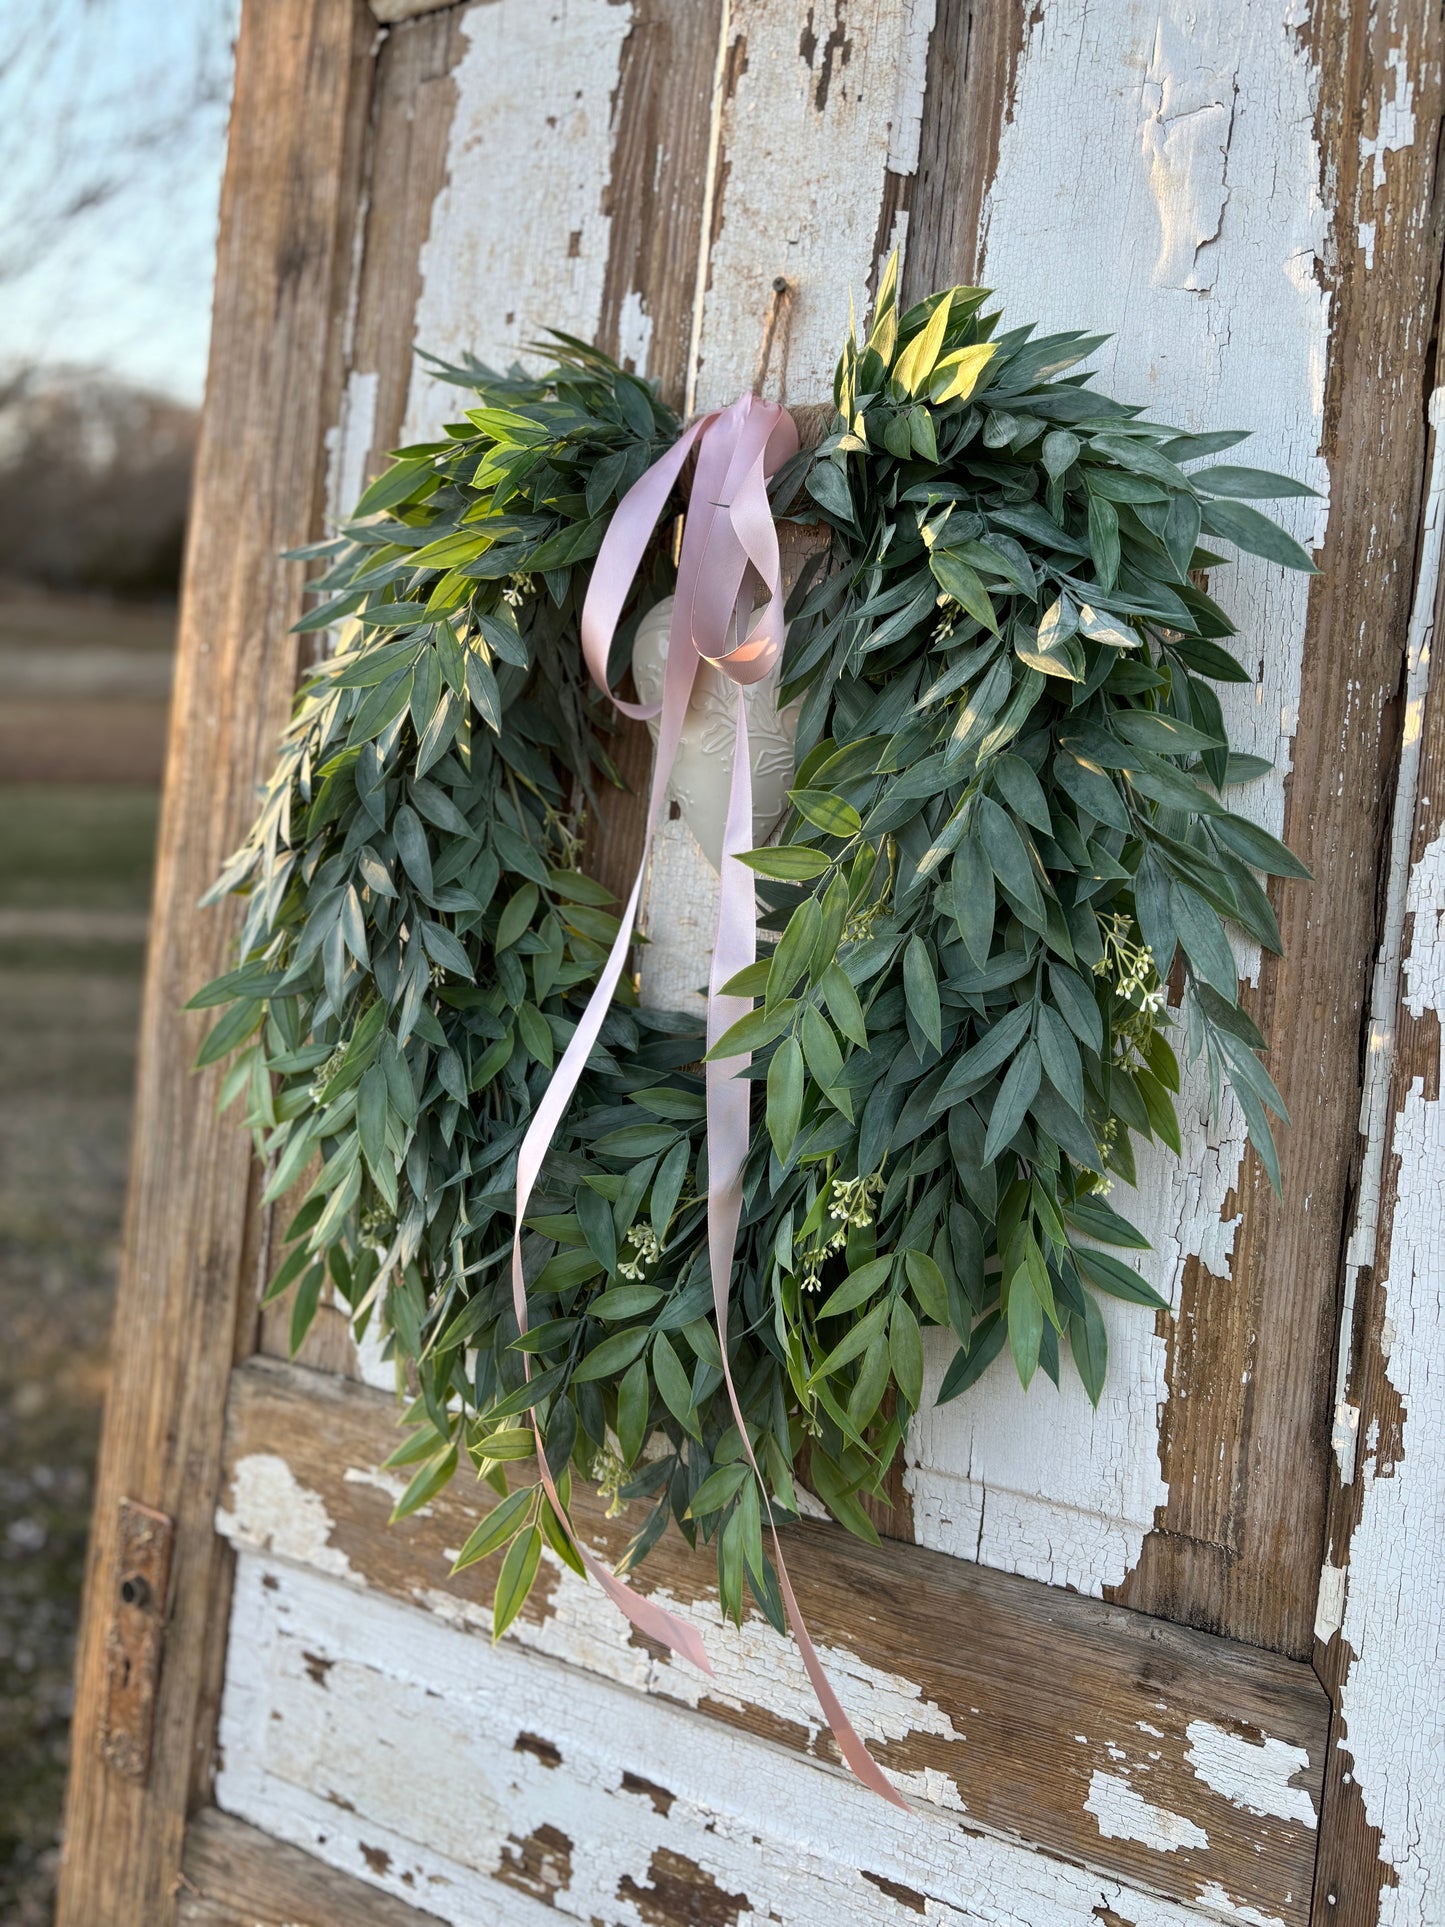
(136, 1639)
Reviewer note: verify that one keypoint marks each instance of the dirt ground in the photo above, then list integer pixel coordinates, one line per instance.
(74, 885)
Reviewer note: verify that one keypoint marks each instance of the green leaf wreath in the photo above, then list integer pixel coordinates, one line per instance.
(1007, 832)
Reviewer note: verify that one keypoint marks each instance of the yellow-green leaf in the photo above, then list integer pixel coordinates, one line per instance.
(917, 361)
(957, 375)
(514, 1581)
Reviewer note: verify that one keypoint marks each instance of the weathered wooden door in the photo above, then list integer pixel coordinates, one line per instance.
(1180, 1660)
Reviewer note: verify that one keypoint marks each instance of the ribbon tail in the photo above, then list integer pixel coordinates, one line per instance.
(647, 1616)
(650, 1618)
(728, 530)
(728, 1107)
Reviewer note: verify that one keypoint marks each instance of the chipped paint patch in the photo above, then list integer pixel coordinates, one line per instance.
(1394, 130)
(349, 443)
(1193, 173)
(271, 1511)
(1124, 1814)
(534, 96)
(634, 333)
(1189, 103)
(1330, 1602)
(752, 1668)
(1254, 1775)
(1219, 1902)
(389, 1484)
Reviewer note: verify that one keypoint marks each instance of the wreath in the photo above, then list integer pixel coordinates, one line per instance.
(1003, 886)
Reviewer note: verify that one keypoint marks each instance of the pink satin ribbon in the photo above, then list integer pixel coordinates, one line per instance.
(729, 547)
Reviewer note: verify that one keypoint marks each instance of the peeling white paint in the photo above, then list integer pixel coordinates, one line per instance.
(1424, 972)
(1393, 1695)
(752, 1667)
(1215, 1897)
(349, 443)
(1330, 1602)
(830, 101)
(1252, 1774)
(271, 1511)
(1189, 103)
(418, 1760)
(1395, 125)
(634, 333)
(1124, 1814)
(391, 1485)
(518, 239)
(1182, 213)
(1394, 130)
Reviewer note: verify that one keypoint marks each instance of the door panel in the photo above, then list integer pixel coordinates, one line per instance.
(1170, 1759)
(494, 1784)
(1250, 203)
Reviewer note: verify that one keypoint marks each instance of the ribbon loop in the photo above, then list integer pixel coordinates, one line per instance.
(729, 555)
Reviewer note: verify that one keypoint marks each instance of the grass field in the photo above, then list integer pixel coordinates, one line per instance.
(76, 846)
(67, 1063)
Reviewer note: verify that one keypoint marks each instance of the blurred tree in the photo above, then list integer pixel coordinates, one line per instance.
(94, 476)
(112, 133)
(112, 129)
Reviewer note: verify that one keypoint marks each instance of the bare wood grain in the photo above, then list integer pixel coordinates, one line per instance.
(662, 116)
(411, 120)
(1020, 1668)
(290, 192)
(972, 59)
(235, 1876)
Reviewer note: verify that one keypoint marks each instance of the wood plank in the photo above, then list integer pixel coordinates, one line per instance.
(413, 107)
(973, 59)
(1263, 1392)
(656, 203)
(500, 1785)
(1074, 1726)
(292, 177)
(1191, 203)
(816, 126)
(819, 113)
(236, 1876)
(1380, 1621)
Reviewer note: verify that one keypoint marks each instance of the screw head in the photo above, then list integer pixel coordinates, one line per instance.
(135, 1590)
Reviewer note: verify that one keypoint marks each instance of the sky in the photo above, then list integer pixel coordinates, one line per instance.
(112, 142)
